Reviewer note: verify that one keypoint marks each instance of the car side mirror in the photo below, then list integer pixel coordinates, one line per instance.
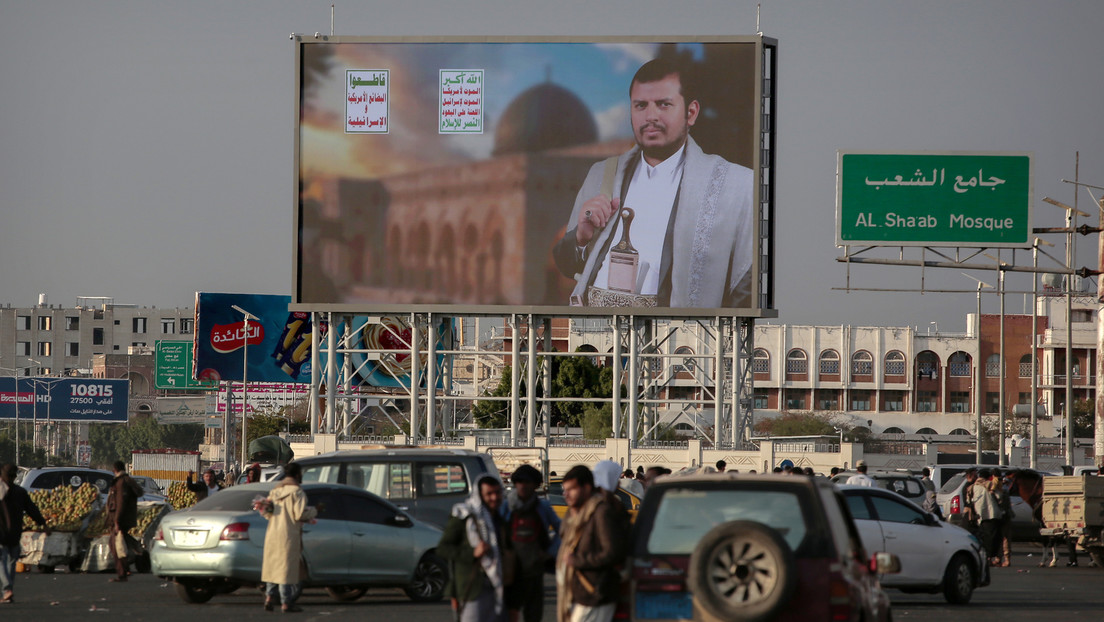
(401, 520)
(885, 563)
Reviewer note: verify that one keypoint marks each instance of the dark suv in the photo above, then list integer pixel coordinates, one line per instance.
(714, 547)
(425, 483)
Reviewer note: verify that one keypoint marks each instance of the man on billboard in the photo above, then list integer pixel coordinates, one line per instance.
(678, 230)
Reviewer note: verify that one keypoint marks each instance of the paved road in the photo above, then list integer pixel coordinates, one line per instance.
(1023, 592)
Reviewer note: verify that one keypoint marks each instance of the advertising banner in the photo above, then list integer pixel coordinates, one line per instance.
(534, 176)
(934, 199)
(278, 343)
(87, 400)
(177, 410)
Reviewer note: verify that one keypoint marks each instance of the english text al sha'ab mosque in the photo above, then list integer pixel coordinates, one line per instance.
(460, 235)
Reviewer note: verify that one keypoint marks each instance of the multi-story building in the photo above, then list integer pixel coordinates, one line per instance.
(52, 340)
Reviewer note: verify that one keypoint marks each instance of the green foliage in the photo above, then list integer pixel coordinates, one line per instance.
(598, 422)
(111, 442)
(493, 413)
(797, 424)
(1084, 418)
(27, 456)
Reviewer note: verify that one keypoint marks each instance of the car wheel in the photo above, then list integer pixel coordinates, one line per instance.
(195, 592)
(742, 571)
(428, 583)
(142, 563)
(958, 581)
(44, 569)
(345, 594)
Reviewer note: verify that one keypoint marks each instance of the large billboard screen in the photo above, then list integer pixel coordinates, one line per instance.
(87, 400)
(966, 199)
(565, 177)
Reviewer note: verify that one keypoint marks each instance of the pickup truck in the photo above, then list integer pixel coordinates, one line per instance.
(1073, 507)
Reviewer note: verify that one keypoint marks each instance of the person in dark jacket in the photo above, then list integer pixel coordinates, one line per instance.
(588, 578)
(533, 530)
(122, 516)
(209, 486)
(474, 543)
(14, 503)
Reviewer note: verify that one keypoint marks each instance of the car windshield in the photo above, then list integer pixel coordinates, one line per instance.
(232, 500)
(685, 515)
(953, 483)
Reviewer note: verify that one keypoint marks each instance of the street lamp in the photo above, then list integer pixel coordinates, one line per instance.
(34, 407)
(245, 380)
(979, 404)
(15, 377)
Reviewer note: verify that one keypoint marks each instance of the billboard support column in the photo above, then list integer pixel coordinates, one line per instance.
(718, 379)
(530, 383)
(617, 376)
(331, 374)
(515, 379)
(546, 369)
(227, 428)
(347, 404)
(415, 377)
(316, 375)
(431, 378)
(743, 351)
(634, 376)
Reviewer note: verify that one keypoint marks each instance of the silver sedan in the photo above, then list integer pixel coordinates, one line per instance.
(359, 541)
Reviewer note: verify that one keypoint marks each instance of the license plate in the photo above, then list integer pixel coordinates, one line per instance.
(664, 605)
(190, 537)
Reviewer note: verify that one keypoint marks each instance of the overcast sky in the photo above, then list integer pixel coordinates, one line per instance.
(146, 147)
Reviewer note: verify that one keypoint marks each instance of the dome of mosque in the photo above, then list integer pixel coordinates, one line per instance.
(546, 116)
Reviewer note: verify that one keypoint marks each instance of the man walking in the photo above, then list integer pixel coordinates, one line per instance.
(587, 575)
(122, 516)
(286, 510)
(987, 509)
(533, 530)
(14, 503)
(209, 486)
(474, 542)
(860, 478)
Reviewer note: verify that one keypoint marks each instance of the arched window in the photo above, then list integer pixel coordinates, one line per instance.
(797, 362)
(1025, 366)
(829, 363)
(927, 365)
(926, 431)
(960, 432)
(993, 366)
(894, 363)
(959, 364)
(685, 364)
(862, 364)
(893, 430)
(760, 362)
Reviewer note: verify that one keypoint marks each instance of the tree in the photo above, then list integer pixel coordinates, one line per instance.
(797, 424)
(576, 376)
(494, 413)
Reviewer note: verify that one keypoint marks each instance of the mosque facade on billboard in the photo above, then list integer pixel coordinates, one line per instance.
(466, 214)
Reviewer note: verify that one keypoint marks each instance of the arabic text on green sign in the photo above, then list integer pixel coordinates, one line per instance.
(934, 199)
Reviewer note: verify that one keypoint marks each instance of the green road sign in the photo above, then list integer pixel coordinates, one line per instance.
(934, 199)
(174, 367)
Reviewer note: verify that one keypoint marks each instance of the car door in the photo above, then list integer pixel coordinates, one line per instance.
(326, 543)
(870, 531)
(381, 551)
(440, 485)
(909, 536)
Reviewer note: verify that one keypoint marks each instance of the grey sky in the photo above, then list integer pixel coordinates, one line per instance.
(146, 148)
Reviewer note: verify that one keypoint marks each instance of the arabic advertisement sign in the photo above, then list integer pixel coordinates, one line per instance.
(934, 199)
(87, 400)
(175, 366)
(472, 193)
(178, 410)
(278, 344)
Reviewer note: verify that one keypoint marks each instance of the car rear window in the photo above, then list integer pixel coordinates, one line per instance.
(685, 515)
(953, 483)
(230, 499)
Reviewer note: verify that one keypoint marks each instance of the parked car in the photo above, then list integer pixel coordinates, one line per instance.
(905, 484)
(711, 547)
(151, 488)
(559, 505)
(935, 556)
(48, 478)
(423, 482)
(268, 474)
(359, 541)
(952, 500)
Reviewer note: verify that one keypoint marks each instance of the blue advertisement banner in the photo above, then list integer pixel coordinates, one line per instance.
(278, 343)
(88, 400)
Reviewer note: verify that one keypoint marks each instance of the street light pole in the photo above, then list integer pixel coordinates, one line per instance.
(245, 381)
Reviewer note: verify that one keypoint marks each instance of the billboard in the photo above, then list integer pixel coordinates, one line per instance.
(969, 199)
(278, 344)
(563, 177)
(86, 400)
